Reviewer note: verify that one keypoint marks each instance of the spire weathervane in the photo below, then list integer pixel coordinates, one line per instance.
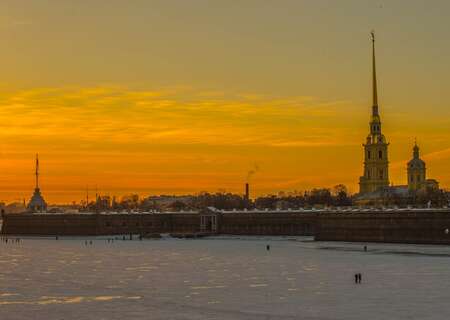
(374, 75)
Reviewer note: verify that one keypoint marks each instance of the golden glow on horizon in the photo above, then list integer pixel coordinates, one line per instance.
(182, 140)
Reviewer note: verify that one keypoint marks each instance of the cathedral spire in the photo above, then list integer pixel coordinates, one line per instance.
(374, 79)
(37, 202)
(416, 150)
(376, 163)
(37, 171)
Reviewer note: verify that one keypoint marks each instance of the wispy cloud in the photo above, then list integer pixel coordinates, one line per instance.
(11, 22)
(179, 115)
(438, 155)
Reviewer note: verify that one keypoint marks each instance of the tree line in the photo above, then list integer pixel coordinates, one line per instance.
(338, 196)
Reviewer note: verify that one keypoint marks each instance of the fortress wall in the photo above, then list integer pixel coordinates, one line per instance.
(270, 223)
(402, 227)
(67, 224)
(98, 224)
(239, 223)
(405, 227)
(185, 223)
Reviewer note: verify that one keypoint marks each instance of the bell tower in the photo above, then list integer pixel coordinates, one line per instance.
(416, 170)
(376, 164)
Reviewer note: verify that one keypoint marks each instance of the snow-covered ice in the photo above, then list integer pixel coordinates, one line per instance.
(221, 278)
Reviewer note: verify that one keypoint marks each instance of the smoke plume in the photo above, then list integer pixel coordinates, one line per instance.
(252, 172)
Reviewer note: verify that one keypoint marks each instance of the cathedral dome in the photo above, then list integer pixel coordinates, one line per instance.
(416, 163)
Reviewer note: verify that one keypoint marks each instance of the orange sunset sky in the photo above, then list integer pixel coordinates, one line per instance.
(175, 97)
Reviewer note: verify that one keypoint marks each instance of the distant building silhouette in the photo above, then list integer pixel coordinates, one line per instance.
(37, 202)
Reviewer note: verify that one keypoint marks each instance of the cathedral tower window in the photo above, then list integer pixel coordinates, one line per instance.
(380, 154)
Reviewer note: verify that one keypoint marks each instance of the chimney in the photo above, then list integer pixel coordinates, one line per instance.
(247, 192)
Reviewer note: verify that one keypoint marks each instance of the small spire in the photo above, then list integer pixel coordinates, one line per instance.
(374, 78)
(37, 171)
(416, 149)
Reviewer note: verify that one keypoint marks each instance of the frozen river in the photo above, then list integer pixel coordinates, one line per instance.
(222, 278)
